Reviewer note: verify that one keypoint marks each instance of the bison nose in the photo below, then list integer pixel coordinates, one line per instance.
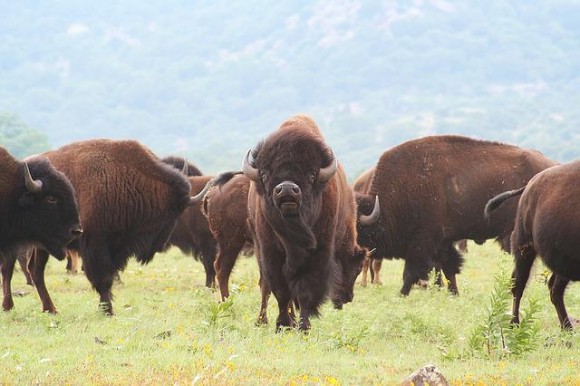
(76, 232)
(287, 188)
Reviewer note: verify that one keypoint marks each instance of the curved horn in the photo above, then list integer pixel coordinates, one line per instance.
(326, 173)
(198, 197)
(185, 168)
(248, 169)
(34, 186)
(373, 217)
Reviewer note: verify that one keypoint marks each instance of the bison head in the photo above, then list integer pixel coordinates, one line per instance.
(290, 174)
(349, 268)
(369, 227)
(48, 209)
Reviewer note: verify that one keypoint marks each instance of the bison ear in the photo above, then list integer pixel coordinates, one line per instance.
(27, 199)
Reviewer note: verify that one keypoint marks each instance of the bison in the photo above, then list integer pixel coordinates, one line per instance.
(432, 193)
(226, 210)
(187, 168)
(129, 201)
(547, 223)
(192, 234)
(361, 187)
(302, 214)
(37, 207)
(372, 262)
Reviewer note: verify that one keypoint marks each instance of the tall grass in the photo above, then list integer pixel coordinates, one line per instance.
(169, 329)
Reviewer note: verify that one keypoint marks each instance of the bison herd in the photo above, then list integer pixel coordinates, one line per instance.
(291, 206)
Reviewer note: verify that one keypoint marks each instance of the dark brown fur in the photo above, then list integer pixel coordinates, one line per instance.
(547, 223)
(48, 217)
(297, 253)
(367, 235)
(179, 162)
(432, 192)
(192, 234)
(129, 202)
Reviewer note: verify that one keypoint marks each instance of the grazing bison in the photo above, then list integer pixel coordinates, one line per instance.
(361, 187)
(547, 223)
(37, 207)
(192, 234)
(432, 193)
(129, 202)
(226, 210)
(302, 214)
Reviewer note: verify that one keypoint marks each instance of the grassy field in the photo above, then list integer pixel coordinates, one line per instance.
(169, 329)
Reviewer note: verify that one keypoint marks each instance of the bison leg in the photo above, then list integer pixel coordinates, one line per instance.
(304, 322)
(376, 271)
(265, 291)
(224, 263)
(38, 261)
(73, 259)
(208, 257)
(103, 282)
(417, 265)
(23, 257)
(364, 271)
(452, 262)
(557, 286)
(524, 259)
(7, 268)
(284, 319)
(277, 283)
(99, 270)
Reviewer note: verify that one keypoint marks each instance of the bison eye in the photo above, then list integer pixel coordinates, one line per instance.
(264, 176)
(312, 177)
(51, 200)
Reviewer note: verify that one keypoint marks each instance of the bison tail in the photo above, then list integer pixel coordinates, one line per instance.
(499, 199)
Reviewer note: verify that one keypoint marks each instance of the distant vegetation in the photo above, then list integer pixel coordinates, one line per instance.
(20, 139)
(210, 79)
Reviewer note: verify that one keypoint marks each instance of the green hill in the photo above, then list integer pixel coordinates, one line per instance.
(210, 79)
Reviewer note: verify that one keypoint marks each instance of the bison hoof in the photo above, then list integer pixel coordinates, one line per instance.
(106, 308)
(262, 320)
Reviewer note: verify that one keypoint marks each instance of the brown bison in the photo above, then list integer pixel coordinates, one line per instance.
(302, 214)
(129, 202)
(547, 223)
(192, 234)
(187, 168)
(226, 210)
(361, 187)
(432, 192)
(37, 207)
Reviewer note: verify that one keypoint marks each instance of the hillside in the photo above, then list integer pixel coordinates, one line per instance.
(210, 79)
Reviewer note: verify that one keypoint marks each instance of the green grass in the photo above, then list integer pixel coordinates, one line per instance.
(169, 329)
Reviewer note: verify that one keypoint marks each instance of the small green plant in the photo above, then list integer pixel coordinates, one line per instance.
(349, 340)
(221, 310)
(496, 337)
